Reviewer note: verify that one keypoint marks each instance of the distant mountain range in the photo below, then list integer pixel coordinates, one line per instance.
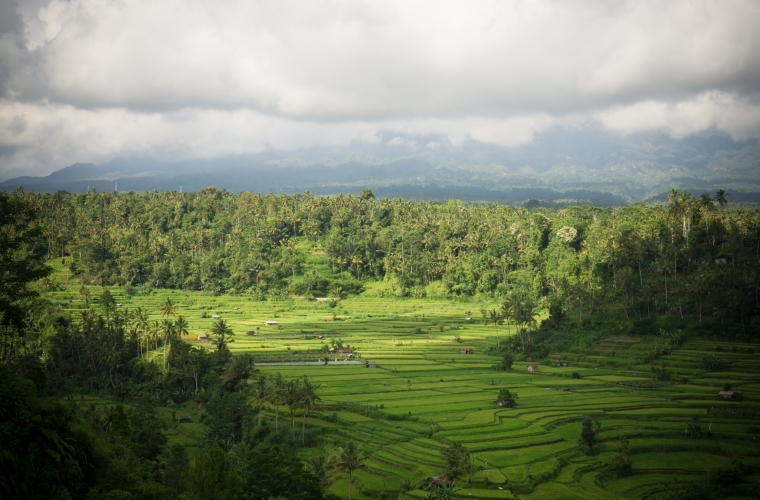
(559, 166)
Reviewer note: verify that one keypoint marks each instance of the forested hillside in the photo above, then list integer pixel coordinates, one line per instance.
(692, 257)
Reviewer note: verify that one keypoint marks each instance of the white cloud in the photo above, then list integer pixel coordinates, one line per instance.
(90, 79)
(719, 110)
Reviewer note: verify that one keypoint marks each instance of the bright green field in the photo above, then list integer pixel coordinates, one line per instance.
(531, 450)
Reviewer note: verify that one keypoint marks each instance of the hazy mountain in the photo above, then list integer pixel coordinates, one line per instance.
(559, 165)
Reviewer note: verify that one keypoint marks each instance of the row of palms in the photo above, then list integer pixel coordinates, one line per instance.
(294, 394)
(519, 308)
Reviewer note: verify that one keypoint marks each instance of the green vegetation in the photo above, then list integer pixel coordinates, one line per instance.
(116, 380)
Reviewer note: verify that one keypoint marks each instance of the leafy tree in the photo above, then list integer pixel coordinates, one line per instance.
(456, 460)
(239, 368)
(276, 475)
(211, 477)
(507, 398)
(590, 428)
(19, 266)
(349, 459)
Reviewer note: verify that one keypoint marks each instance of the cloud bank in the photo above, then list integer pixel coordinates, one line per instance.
(86, 80)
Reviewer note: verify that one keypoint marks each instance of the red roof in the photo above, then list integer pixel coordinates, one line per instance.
(533, 365)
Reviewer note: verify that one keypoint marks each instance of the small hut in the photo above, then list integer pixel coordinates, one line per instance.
(270, 322)
(438, 481)
(465, 350)
(250, 333)
(346, 351)
(732, 395)
(533, 368)
(371, 364)
(184, 419)
(202, 336)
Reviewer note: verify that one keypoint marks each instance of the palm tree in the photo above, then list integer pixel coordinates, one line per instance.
(167, 327)
(495, 318)
(292, 399)
(706, 204)
(262, 392)
(168, 308)
(181, 326)
(278, 397)
(221, 331)
(309, 400)
(720, 197)
(348, 460)
(318, 466)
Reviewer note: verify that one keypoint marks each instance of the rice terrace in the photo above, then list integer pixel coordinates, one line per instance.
(425, 394)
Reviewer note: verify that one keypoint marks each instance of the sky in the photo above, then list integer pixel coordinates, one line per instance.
(90, 80)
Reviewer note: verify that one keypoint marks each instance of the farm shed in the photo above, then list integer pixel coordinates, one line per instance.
(438, 481)
(250, 333)
(346, 351)
(533, 368)
(202, 336)
(215, 316)
(321, 299)
(184, 419)
(270, 323)
(371, 364)
(734, 395)
(465, 350)
(499, 402)
(319, 337)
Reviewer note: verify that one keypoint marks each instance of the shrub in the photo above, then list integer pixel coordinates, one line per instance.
(576, 375)
(713, 363)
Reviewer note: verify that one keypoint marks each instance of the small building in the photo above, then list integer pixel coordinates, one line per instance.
(321, 299)
(533, 368)
(215, 316)
(371, 364)
(346, 351)
(468, 319)
(184, 419)
(250, 333)
(202, 336)
(733, 395)
(438, 481)
(499, 402)
(320, 337)
(465, 350)
(561, 363)
(467, 313)
(118, 305)
(270, 323)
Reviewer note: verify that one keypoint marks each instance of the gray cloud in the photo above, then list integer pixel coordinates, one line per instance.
(93, 79)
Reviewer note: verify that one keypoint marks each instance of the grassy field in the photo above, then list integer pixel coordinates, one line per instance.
(441, 396)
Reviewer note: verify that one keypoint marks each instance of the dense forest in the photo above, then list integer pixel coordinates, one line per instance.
(690, 257)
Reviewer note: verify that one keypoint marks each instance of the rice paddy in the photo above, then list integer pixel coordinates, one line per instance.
(428, 395)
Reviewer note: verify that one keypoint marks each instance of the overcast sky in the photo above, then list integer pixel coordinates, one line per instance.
(89, 80)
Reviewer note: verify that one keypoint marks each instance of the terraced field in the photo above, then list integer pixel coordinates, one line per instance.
(428, 395)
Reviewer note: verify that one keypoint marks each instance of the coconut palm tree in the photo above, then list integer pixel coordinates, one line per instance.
(221, 331)
(167, 309)
(292, 399)
(278, 398)
(348, 460)
(181, 326)
(309, 400)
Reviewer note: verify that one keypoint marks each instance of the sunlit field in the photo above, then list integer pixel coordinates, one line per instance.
(424, 395)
